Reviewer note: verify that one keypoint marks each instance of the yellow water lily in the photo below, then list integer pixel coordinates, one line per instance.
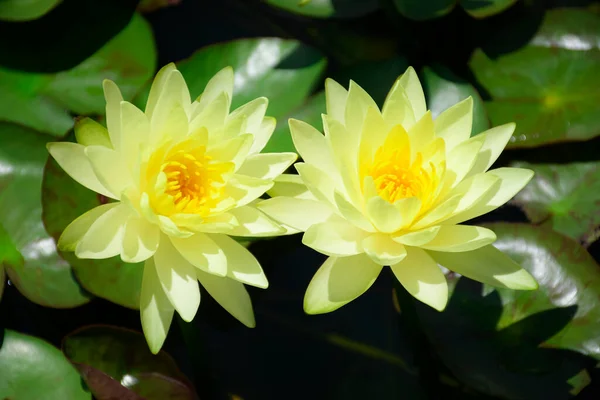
(183, 176)
(389, 188)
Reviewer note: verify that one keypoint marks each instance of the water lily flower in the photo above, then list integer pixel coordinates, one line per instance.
(183, 176)
(390, 187)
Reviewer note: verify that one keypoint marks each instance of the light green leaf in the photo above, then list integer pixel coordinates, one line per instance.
(31, 369)
(40, 273)
(548, 86)
(25, 10)
(45, 101)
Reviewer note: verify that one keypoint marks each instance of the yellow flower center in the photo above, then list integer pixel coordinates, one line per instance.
(396, 175)
(186, 179)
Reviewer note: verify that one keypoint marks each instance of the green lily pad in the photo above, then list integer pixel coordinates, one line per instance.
(327, 8)
(45, 101)
(568, 277)
(39, 273)
(8, 255)
(64, 200)
(547, 87)
(444, 89)
(564, 197)
(19, 10)
(487, 8)
(523, 344)
(31, 369)
(284, 71)
(110, 356)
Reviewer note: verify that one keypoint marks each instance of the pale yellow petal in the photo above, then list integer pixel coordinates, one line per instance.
(203, 253)
(220, 223)
(460, 238)
(374, 132)
(422, 278)
(266, 166)
(221, 82)
(461, 158)
(72, 159)
(262, 134)
(173, 93)
(255, 114)
(241, 264)
(339, 281)
(509, 182)
(495, 140)
(135, 129)
(422, 134)
(351, 213)
(245, 189)
(336, 96)
(344, 153)
(397, 109)
(110, 168)
(311, 145)
(233, 150)
(231, 295)
(410, 82)
(318, 182)
(140, 240)
(471, 191)
(90, 133)
(104, 238)
(298, 213)
(290, 186)
(75, 230)
(357, 105)
(178, 279)
(488, 265)
(157, 87)
(383, 250)
(454, 124)
(156, 311)
(113, 98)
(384, 215)
(417, 238)
(253, 223)
(335, 237)
(438, 213)
(213, 118)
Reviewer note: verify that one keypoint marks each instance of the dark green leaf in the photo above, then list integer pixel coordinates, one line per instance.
(376, 77)
(43, 101)
(110, 355)
(9, 255)
(523, 344)
(565, 197)
(40, 274)
(422, 10)
(547, 87)
(327, 8)
(568, 277)
(64, 200)
(19, 10)
(444, 89)
(31, 369)
(485, 8)
(284, 71)
(63, 38)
